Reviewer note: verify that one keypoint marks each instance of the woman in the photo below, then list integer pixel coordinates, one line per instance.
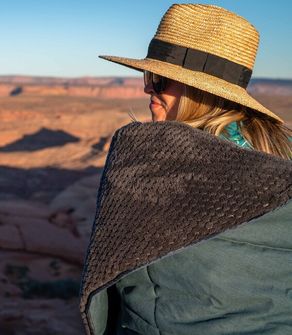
(168, 185)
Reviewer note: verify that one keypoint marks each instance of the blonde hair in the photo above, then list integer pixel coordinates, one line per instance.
(209, 112)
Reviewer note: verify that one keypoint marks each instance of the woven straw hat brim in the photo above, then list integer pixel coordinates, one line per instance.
(195, 79)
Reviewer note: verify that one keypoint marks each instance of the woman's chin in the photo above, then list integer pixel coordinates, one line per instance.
(158, 114)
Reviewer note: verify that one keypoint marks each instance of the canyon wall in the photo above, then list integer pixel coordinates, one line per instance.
(111, 87)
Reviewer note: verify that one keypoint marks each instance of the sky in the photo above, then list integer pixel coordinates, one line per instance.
(63, 38)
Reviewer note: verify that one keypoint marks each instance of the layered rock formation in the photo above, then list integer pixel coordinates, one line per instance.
(111, 87)
(105, 88)
(52, 152)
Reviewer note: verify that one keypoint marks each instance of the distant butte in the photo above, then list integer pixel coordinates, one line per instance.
(111, 87)
(101, 87)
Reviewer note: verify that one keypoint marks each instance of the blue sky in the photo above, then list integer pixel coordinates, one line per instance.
(64, 37)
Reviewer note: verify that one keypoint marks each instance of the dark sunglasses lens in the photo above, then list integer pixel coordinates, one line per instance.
(158, 82)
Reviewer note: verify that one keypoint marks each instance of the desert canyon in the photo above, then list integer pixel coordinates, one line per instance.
(54, 138)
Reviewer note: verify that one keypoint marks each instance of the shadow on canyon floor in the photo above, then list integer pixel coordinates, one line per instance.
(42, 139)
(41, 184)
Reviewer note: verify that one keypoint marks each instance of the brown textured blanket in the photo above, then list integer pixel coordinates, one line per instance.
(166, 186)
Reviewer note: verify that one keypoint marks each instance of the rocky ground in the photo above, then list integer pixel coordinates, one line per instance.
(52, 152)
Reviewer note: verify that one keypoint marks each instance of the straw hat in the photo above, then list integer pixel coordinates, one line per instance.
(206, 47)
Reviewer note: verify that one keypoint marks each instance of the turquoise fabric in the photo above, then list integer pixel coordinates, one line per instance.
(234, 135)
(238, 283)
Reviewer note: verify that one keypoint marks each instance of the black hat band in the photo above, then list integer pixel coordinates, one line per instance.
(198, 60)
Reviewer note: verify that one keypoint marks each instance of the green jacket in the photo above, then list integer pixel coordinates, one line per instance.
(239, 282)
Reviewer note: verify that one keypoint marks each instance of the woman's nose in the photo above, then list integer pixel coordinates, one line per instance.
(148, 89)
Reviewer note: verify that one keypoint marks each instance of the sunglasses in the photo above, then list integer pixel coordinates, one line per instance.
(158, 82)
